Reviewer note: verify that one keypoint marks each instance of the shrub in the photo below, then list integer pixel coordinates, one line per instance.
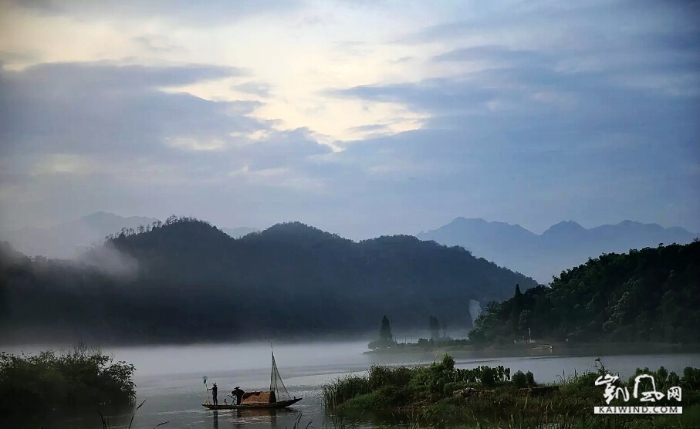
(691, 378)
(530, 378)
(34, 385)
(519, 380)
(487, 376)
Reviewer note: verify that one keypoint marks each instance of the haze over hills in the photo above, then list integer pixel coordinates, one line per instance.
(69, 239)
(560, 247)
(187, 280)
(239, 232)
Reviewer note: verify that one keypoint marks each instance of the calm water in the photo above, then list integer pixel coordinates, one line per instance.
(170, 379)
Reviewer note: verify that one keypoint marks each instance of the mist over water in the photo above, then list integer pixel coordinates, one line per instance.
(210, 359)
(169, 378)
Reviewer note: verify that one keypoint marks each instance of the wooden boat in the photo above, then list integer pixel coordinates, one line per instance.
(257, 406)
(262, 400)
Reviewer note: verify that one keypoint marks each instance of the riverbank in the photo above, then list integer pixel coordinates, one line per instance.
(34, 387)
(536, 349)
(442, 395)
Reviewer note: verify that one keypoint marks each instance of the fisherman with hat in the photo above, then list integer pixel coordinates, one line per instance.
(238, 394)
(214, 391)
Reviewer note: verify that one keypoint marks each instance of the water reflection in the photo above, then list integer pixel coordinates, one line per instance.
(216, 419)
(268, 417)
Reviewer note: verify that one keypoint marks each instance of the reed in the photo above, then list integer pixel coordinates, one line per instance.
(427, 393)
(343, 389)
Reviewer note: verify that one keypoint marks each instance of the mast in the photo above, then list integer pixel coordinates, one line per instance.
(276, 381)
(273, 388)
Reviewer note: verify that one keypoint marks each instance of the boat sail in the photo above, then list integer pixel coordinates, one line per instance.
(276, 397)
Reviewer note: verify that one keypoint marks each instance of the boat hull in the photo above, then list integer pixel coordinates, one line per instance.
(257, 406)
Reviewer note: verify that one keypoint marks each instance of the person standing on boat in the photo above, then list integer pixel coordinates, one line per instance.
(214, 391)
(238, 394)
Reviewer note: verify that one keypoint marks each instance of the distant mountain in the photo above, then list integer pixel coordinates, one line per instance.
(562, 246)
(191, 281)
(239, 232)
(70, 238)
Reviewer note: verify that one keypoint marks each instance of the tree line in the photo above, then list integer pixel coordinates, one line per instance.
(647, 295)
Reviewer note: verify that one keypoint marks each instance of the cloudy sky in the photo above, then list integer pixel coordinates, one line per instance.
(358, 117)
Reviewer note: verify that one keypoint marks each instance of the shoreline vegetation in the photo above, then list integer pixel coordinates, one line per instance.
(535, 348)
(35, 387)
(440, 395)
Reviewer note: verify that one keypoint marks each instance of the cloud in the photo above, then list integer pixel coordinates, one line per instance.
(255, 88)
(95, 131)
(206, 13)
(593, 118)
(546, 22)
(374, 128)
(158, 44)
(528, 112)
(106, 110)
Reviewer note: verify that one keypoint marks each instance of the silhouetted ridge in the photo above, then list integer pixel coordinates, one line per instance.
(186, 279)
(292, 231)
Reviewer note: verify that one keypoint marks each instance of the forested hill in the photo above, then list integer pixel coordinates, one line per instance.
(186, 280)
(651, 294)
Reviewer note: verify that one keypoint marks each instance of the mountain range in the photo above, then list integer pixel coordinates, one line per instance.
(67, 240)
(562, 246)
(186, 280)
(540, 256)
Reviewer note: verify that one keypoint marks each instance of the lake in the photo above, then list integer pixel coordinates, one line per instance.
(169, 378)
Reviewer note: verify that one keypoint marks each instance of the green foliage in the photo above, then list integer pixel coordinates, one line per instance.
(427, 393)
(648, 295)
(530, 378)
(437, 380)
(306, 282)
(36, 384)
(519, 379)
(691, 378)
(343, 389)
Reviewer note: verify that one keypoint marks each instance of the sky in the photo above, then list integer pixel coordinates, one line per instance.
(362, 118)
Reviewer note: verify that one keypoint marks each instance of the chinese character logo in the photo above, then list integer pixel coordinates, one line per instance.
(674, 393)
(650, 396)
(614, 391)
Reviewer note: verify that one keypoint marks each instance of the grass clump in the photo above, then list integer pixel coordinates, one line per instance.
(444, 396)
(35, 385)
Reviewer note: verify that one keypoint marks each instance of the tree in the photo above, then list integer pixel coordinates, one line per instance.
(516, 309)
(434, 328)
(385, 331)
(524, 320)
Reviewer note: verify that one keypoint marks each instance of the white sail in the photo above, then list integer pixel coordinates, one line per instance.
(276, 383)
